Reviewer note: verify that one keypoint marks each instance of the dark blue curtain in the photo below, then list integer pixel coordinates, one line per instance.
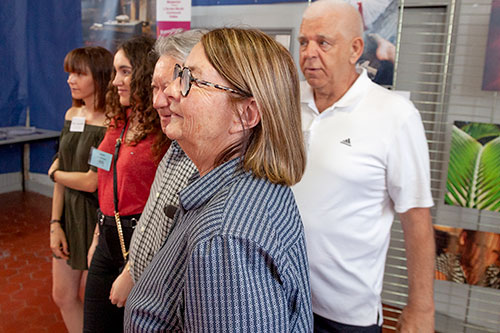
(14, 77)
(35, 35)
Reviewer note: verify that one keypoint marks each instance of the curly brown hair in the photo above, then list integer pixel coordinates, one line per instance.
(139, 51)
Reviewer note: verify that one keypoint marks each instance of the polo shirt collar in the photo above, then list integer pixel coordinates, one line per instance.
(202, 189)
(350, 98)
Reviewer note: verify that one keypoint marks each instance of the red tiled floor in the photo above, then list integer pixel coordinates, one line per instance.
(25, 265)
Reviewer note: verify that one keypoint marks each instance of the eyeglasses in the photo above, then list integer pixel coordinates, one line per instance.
(187, 78)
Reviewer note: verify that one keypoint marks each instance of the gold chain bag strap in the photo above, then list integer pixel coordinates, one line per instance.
(120, 235)
(115, 193)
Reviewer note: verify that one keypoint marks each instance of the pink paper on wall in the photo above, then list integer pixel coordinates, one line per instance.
(172, 16)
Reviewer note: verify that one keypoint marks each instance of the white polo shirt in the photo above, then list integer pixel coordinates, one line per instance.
(367, 157)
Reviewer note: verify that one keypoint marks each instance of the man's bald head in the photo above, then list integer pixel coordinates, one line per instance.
(348, 16)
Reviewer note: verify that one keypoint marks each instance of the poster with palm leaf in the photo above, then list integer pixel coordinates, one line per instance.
(474, 166)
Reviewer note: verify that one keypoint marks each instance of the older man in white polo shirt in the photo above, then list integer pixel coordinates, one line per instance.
(367, 160)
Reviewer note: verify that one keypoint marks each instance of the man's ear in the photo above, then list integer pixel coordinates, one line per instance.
(249, 114)
(357, 47)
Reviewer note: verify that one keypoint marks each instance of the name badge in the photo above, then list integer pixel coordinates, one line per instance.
(100, 159)
(77, 124)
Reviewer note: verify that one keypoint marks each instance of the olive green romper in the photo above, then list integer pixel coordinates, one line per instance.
(79, 211)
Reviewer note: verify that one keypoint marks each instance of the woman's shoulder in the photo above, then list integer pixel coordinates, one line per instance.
(72, 112)
(251, 210)
(260, 188)
(271, 205)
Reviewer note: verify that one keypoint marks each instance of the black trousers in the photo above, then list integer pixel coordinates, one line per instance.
(100, 315)
(323, 325)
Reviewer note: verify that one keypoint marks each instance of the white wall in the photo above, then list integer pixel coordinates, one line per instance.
(265, 17)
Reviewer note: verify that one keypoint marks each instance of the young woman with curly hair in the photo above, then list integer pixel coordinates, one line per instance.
(130, 152)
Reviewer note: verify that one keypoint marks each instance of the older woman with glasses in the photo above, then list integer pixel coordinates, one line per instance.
(235, 260)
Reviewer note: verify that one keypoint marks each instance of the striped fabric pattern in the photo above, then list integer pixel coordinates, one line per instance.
(172, 175)
(235, 261)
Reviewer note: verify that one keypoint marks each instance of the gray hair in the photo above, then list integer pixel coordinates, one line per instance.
(178, 45)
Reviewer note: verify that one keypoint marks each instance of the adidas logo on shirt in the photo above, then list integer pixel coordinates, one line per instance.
(346, 142)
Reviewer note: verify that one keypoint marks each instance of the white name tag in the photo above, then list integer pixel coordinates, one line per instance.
(77, 124)
(100, 159)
